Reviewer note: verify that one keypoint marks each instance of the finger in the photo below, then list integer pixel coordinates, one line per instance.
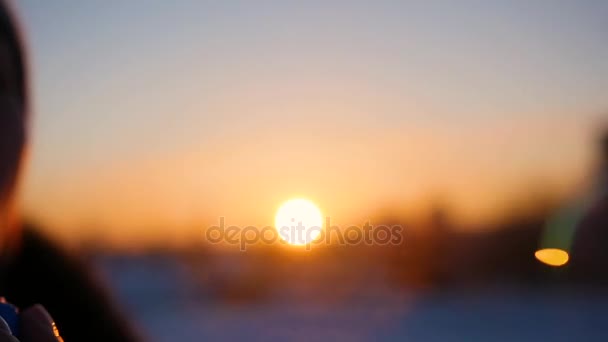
(38, 326)
(4, 327)
(10, 315)
(5, 332)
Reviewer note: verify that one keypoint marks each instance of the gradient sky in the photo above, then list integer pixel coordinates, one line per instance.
(160, 114)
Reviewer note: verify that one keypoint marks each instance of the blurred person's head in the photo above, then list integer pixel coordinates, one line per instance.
(13, 109)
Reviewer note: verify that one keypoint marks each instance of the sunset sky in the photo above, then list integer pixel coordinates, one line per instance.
(159, 116)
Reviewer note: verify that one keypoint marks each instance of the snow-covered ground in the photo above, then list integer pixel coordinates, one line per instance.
(169, 305)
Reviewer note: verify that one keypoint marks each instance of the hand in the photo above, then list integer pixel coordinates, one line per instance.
(5, 332)
(36, 326)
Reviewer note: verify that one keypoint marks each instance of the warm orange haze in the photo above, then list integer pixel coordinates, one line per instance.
(154, 132)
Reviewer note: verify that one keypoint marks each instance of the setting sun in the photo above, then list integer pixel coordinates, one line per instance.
(298, 221)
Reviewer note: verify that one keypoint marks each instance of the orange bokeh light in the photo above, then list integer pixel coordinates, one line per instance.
(552, 256)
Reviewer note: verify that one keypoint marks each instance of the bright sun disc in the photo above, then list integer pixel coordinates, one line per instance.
(298, 222)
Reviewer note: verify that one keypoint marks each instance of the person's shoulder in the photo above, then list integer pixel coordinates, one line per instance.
(37, 250)
(43, 272)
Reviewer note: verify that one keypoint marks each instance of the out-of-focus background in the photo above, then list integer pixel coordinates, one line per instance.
(475, 125)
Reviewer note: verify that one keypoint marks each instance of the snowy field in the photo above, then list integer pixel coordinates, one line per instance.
(169, 305)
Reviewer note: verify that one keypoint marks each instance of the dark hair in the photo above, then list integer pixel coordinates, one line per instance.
(9, 34)
(13, 110)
